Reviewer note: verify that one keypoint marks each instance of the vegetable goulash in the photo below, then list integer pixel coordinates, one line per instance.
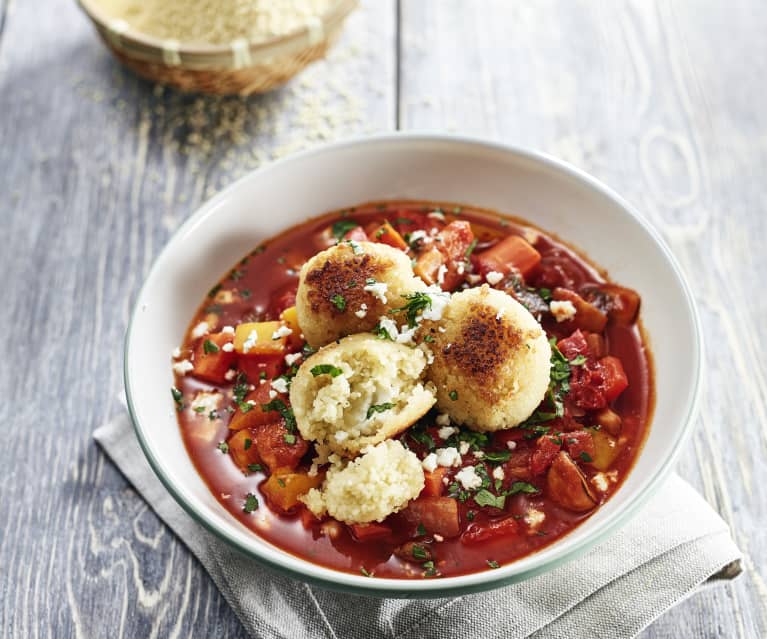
(413, 390)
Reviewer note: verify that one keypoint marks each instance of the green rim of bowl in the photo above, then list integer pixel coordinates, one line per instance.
(447, 586)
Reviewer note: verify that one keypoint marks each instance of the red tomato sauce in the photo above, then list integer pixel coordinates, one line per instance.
(536, 509)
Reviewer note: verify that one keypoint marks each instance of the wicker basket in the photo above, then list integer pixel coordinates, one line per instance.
(240, 68)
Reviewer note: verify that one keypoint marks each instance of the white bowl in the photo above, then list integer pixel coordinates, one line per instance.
(549, 193)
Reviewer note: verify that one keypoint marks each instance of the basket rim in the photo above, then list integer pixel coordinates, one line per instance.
(240, 53)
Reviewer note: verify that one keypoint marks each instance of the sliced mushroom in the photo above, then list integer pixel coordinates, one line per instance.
(567, 486)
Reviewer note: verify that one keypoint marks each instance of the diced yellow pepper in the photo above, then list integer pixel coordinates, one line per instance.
(606, 449)
(283, 489)
(259, 338)
(290, 318)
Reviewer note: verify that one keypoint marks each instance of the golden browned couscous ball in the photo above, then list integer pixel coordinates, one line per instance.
(491, 360)
(358, 392)
(378, 483)
(346, 289)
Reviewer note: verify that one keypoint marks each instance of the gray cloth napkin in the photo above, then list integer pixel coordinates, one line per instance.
(672, 547)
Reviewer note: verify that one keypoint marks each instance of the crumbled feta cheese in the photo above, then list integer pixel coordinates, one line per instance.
(473, 278)
(341, 435)
(500, 314)
(250, 341)
(280, 385)
(417, 236)
(282, 331)
(460, 267)
(312, 470)
(228, 347)
(183, 367)
(448, 457)
(600, 482)
(356, 248)
(176, 353)
(511, 444)
(498, 473)
(463, 447)
(468, 478)
(478, 454)
(438, 538)
(493, 277)
(389, 326)
(205, 402)
(534, 518)
(439, 300)
(292, 358)
(200, 330)
(272, 393)
(430, 462)
(230, 375)
(228, 330)
(426, 351)
(378, 289)
(562, 310)
(441, 329)
(437, 215)
(443, 419)
(406, 334)
(446, 431)
(441, 272)
(362, 312)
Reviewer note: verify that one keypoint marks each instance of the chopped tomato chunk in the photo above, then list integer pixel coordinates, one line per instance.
(511, 253)
(477, 533)
(211, 362)
(574, 345)
(456, 238)
(258, 367)
(278, 447)
(370, 532)
(594, 384)
(437, 514)
(580, 445)
(615, 377)
(546, 449)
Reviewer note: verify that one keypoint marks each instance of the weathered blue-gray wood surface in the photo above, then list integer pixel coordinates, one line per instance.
(662, 100)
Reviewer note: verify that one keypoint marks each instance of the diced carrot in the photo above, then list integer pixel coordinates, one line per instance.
(385, 234)
(512, 252)
(428, 264)
(587, 316)
(437, 514)
(242, 450)
(433, 486)
(615, 380)
(255, 415)
(278, 447)
(211, 362)
(373, 531)
(284, 487)
(259, 338)
(477, 533)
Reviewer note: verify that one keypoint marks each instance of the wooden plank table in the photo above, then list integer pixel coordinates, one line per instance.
(661, 100)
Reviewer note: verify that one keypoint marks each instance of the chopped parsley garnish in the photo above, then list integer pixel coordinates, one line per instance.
(429, 339)
(239, 392)
(453, 394)
(365, 572)
(421, 530)
(484, 497)
(287, 413)
(342, 227)
(493, 564)
(417, 303)
(308, 350)
(378, 408)
(470, 515)
(178, 397)
(254, 468)
(497, 456)
(585, 456)
(339, 301)
(380, 232)
(290, 438)
(209, 347)
(381, 333)
(247, 443)
(223, 447)
(326, 369)
(522, 487)
(199, 409)
(471, 248)
(457, 210)
(419, 552)
(236, 274)
(578, 360)
(251, 503)
(214, 291)
(403, 220)
(281, 482)
(246, 293)
(454, 490)
(545, 294)
(213, 415)
(418, 434)
(559, 386)
(429, 569)
(537, 430)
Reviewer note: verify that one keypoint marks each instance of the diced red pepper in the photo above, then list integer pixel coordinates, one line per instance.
(456, 238)
(580, 445)
(273, 442)
(373, 531)
(615, 381)
(437, 514)
(511, 253)
(546, 449)
(261, 366)
(433, 485)
(495, 528)
(211, 362)
(574, 345)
